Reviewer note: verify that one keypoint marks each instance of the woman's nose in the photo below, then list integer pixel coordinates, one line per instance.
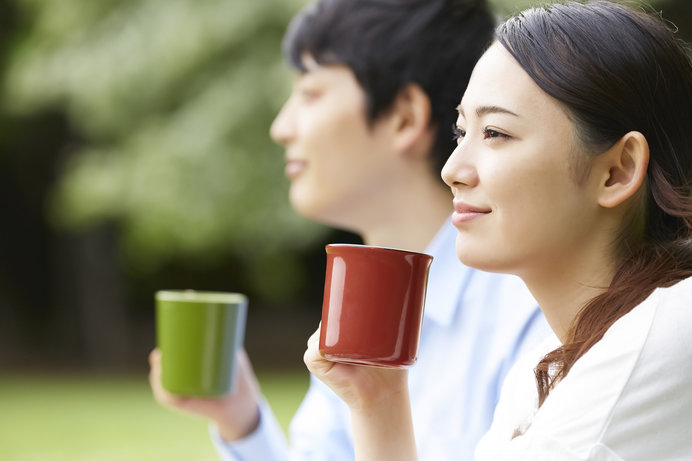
(459, 170)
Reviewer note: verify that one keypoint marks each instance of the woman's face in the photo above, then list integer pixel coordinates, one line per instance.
(336, 161)
(518, 206)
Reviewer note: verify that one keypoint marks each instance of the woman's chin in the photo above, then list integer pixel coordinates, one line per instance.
(474, 256)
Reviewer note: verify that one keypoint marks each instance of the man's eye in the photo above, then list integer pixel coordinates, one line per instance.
(308, 94)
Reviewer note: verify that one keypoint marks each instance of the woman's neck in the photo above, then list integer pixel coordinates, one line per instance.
(563, 291)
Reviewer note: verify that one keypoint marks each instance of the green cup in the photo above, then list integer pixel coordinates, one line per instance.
(199, 334)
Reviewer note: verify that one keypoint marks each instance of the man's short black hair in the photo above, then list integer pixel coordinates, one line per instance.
(389, 44)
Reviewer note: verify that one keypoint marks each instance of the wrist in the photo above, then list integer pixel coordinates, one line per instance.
(236, 428)
(384, 429)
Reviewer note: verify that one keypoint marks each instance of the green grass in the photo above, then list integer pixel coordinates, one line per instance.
(108, 418)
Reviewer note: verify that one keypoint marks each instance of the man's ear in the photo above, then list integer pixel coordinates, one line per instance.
(410, 118)
(623, 169)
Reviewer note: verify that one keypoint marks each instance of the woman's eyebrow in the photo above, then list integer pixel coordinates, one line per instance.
(485, 110)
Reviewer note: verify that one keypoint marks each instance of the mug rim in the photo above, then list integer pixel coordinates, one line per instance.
(374, 247)
(223, 297)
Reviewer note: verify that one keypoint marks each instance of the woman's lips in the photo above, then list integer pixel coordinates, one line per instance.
(294, 168)
(464, 213)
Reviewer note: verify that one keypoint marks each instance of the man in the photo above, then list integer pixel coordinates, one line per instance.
(366, 130)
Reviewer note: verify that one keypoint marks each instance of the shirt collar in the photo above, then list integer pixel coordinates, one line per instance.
(447, 276)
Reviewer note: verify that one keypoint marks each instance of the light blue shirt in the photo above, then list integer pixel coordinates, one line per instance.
(475, 325)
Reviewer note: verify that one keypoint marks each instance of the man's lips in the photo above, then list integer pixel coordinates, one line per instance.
(464, 213)
(294, 167)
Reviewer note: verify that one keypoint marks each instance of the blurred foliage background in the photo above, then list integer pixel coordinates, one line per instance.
(135, 156)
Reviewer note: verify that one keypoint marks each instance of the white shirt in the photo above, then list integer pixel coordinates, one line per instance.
(628, 398)
(475, 325)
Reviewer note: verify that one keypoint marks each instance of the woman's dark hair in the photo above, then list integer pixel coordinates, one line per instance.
(389, 44)
(616, 69)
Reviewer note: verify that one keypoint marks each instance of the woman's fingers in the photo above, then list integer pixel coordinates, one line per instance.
(317, 365)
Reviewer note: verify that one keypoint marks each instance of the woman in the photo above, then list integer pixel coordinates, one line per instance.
(573, 170)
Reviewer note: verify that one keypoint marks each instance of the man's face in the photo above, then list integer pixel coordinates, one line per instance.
(336, 161)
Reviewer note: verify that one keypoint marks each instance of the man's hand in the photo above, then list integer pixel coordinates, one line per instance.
(236, 415)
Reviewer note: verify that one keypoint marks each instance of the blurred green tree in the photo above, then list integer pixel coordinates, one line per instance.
(172, 100)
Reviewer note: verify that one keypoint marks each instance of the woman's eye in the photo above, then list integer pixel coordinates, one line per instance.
(458, 133)
(489, 133)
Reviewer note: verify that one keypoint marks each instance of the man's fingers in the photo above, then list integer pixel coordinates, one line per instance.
(160, 394)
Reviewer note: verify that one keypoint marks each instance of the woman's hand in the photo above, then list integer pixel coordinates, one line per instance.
(360, 387)
(236, 415)
(379, 403)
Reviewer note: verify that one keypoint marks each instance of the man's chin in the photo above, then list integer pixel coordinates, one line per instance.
(303, 204)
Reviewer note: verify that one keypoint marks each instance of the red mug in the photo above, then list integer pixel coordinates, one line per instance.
(373, 305)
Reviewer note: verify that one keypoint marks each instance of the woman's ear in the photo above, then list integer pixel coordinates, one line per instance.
(624, 169)
(410, 118)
